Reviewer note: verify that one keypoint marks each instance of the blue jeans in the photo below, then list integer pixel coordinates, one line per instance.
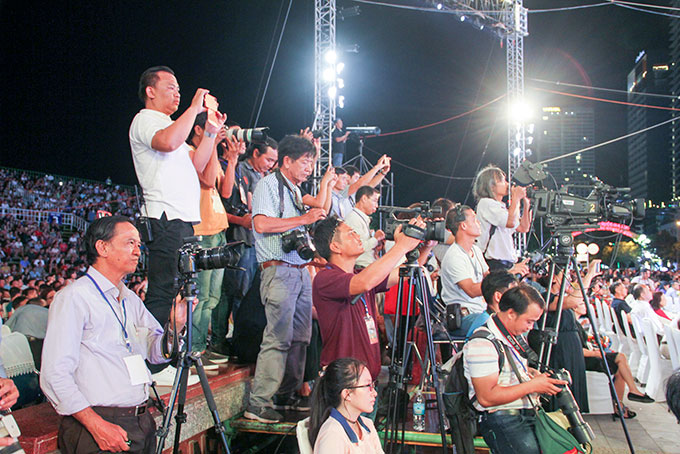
(235, 286)
(338, 158)
(510, 434)
(209, 285)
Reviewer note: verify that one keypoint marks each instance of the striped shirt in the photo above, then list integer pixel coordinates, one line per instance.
(266, 202)
(481, 360)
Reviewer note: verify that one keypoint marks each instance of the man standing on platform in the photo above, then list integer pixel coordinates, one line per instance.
(98, 335)
(168, 176)
(359, 220)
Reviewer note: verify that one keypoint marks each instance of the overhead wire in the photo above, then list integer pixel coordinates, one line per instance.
(611, 90)
(424, 172)
(634, 8)
(568, 8)
(611, 101)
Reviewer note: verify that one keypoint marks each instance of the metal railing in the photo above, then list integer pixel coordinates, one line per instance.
(38, 216)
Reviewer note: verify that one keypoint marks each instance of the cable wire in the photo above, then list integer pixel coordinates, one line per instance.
(592, 98)
(612, 90)
(592, 147)
(568, 8)
(271, 68)
(648, 5)
(424, 172)
(658, 13)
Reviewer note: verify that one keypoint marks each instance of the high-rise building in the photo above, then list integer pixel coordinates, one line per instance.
(674, 84)
(562, 130)
(649, 153)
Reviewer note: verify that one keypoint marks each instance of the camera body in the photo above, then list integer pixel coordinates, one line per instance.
(435, 228)
(194, 258)
(298, 240)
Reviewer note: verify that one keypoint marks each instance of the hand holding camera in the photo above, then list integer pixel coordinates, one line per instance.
(544, 384)
(313, 215)
(405, 241)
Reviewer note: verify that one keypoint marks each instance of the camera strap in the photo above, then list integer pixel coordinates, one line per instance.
(297, 200)
(492, 230)
(518, 343)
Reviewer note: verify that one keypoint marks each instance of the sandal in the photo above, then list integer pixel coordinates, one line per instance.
(629, 414)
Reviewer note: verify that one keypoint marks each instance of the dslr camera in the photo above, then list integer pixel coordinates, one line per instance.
(435, 226)
(565, 401)
(298, 240)
(194, 258)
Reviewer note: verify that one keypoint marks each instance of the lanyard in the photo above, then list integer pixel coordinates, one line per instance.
(368, 314)
(519, 344)
(121, 323)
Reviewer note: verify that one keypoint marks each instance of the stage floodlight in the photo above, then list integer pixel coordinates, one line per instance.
(328, 75)
(341, 102)
(517, 151)
(462, 18)
(339, 67)
(331, 56)
(439, 6)
(332, 91)
(341, 83)
(519, 111)
(530, 140)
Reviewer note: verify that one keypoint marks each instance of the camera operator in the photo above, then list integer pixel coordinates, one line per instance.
(213, 224)
(167, 174)
(259, 160)
(507, 417)
(339, 136)
(359, 220)
(286, 288)
(343, 199)
(498, 220)
(98, 335)
(464, 267)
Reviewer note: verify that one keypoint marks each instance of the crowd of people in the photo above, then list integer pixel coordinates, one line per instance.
(312, 265)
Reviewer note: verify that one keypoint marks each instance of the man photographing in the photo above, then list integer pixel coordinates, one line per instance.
(285, 288)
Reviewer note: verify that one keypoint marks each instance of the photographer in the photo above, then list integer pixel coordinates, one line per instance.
(499, 221)
(211, 229)
(464, 267)
(348, 328)
(359, 220)
(343, 199)
(286, 288)
(507, 417)
(167, 174)
(259, 159)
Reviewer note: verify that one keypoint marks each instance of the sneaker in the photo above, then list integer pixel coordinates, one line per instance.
(638, 398)
(215, 357)
(208, 364)
(166, 377)
(293, 403)
(264, 414)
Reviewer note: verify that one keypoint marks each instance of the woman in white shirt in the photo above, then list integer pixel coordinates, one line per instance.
(342, 394)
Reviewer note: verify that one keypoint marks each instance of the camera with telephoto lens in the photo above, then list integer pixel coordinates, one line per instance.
(254, 135)
(298, 240)
(565, 401)
(194, 258)
(435, 227)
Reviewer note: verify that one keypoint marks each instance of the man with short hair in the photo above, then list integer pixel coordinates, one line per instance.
(644, 278)
(341, 204)
(619, 304)
(494, 285)
(344, 297)
(345, 198)
(168, 176)
(339, 136)
(505, 401)
(98, 335)
(285, 288)
(359, 219)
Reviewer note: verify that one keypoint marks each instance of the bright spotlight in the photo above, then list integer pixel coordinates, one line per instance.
(439, 6)
(530, 140)
(331, 56)
(519, 111)
(530, 128)
(328, 75)
(341, 102)
(462, 18)
(339, 67)
(341, 83)
(332, 91)
(516, 152)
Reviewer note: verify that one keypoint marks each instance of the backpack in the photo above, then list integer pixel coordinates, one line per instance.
(459, 407)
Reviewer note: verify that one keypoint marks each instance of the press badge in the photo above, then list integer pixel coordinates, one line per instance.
(242, 191)
(370, 327)
(137, 370)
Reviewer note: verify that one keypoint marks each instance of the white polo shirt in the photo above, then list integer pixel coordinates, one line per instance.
(500, 246)
(169, 180)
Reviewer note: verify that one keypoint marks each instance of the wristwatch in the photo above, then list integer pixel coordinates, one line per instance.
(207, 133)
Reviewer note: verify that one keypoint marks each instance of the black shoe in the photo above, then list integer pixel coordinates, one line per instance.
(638, 398)
(265, 415)
(209, 365)
(292, 403)
(215, 357)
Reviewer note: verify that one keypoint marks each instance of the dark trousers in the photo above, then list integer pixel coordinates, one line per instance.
(510, 434)
(74, 438)
(167, 239)
(499, 265)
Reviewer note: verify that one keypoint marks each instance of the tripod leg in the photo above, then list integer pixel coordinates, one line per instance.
(162, 433)
(212, 406)
(181, 417)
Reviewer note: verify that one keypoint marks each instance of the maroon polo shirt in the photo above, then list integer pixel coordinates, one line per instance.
(343, 329)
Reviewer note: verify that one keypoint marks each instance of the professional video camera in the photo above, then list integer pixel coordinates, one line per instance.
(298, 240)
(193, 258)
(560, 209)
(359, 132)
(565, 401)
(435, 229)
(254, 135)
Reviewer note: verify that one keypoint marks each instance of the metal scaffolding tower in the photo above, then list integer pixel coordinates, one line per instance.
(324, 105)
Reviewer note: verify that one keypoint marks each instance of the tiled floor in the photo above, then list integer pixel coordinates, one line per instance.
(654, 430)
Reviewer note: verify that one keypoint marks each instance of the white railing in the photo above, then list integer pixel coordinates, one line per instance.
(38, 216)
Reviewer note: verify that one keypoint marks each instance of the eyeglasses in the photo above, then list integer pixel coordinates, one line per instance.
(373, 385)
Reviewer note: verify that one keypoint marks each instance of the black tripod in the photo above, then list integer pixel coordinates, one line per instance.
(401, 353)
(186, 359)
(564, 258)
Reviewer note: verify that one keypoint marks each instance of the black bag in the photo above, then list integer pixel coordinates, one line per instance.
(459, 407)
(249, 326)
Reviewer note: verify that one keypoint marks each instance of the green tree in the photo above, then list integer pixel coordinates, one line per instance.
(626, 256)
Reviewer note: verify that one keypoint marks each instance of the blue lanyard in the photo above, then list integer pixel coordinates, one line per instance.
(512, 350)
(368, 314)
(121, 323)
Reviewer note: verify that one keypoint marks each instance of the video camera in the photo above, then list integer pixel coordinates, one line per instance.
(435, 229)
(194, 258)
(560, 209)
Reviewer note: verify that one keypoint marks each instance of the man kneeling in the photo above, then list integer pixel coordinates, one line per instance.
(507, 418)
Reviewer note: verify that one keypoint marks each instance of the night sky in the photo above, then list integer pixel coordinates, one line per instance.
(70, 72)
